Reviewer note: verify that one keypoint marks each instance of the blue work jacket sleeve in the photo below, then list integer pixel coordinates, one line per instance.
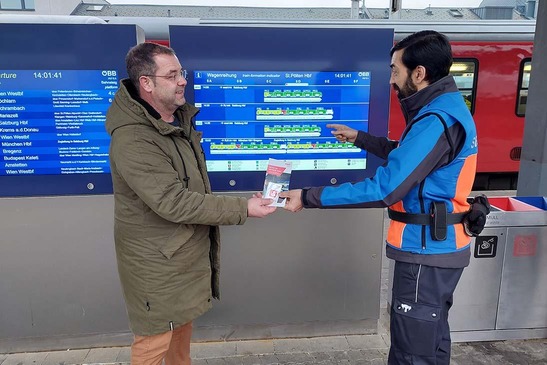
(422, 150)
(379, 146)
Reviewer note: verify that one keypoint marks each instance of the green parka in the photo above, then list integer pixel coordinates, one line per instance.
(165, 217)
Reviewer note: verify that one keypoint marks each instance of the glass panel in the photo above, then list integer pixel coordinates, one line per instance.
(526, 69)
(526, 75)
(29, 4)
(523, 98)
(11, 5)
(468, 97)
(464, 75)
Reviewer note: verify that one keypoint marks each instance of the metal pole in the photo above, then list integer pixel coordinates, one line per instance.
(395, 7)
(533, 164)
(355, 9)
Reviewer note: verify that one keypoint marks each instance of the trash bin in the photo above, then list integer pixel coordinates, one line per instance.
(502, 294)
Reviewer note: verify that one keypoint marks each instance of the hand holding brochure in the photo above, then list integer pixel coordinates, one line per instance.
(278, 176)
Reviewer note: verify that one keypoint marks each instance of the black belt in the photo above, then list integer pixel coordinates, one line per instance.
(423, 219)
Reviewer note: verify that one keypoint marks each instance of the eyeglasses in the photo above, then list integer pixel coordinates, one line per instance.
(174, 77)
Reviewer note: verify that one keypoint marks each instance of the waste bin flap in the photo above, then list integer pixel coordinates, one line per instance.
(537, 201)
(510, 204)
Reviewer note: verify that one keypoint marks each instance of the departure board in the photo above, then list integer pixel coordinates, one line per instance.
(52, 121)
(56, 84)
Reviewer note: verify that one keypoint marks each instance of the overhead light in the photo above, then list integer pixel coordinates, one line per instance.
(458, 67)
(528, 67)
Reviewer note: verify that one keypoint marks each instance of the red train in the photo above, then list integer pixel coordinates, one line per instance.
(492, 64)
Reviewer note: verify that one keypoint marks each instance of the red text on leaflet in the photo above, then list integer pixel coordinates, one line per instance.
(276, 170)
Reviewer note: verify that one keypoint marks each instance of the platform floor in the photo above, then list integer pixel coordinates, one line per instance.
(333, 350)
(347, 350)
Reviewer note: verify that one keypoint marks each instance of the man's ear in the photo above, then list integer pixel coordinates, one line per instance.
(145, 83)
(419, 75)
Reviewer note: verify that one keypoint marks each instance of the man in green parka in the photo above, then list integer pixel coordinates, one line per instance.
(166, 218)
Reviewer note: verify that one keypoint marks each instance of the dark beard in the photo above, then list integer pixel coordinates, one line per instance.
(408, 89)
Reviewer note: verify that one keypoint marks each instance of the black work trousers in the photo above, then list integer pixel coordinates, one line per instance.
(421, 299)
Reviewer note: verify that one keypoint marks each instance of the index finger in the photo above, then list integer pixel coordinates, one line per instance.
(335, 126)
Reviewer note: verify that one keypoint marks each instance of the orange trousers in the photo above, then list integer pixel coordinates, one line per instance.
(173, 346)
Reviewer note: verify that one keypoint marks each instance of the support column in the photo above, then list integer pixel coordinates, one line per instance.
(533, 163)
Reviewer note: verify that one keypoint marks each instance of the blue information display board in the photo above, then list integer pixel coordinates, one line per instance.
(270, 93)
(52, 121)
(56, 84)
(249, 116)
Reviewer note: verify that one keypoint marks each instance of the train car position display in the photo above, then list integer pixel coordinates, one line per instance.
(271, 92)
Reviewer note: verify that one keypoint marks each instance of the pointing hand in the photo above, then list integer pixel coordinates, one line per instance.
(343, 133)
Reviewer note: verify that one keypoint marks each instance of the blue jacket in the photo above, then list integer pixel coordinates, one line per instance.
(435, 161)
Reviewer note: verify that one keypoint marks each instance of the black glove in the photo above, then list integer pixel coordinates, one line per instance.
(475, 220)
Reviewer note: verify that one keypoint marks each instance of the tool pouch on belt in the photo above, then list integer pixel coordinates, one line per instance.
(439, 216)
(474, 221)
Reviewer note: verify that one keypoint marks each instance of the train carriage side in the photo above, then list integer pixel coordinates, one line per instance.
(492, 70)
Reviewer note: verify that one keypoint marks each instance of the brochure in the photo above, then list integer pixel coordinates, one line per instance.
(278, 176)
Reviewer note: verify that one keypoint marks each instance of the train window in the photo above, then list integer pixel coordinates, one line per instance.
(524, 82)
(464, 72)
(16, 4)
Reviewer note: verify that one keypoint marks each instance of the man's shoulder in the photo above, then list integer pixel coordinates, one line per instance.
(449, 107)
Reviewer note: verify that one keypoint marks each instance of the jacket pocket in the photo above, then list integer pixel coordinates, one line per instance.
(182, 234)
(415, 327)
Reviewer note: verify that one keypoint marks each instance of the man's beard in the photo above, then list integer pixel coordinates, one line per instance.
(407, 90)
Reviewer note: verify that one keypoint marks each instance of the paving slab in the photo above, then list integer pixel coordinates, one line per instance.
(249, 360)
(260, 347)
(332, 343)
(26, 358)
(268, 359)
(321, 356)
(218, 361)
(102, 355)
(295, 358)
(65, 357)
(206, 350)
(124, 355)
(366, 342)
(284, 346)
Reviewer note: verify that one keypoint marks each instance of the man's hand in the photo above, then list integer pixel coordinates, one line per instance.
(343, 133)
(294, 200)
(258, 207)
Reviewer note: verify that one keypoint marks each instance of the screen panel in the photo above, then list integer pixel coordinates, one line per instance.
(270, 92)
(56, 84)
